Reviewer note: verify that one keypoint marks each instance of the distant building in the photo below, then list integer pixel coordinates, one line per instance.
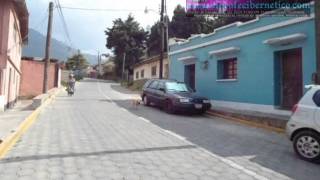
(13, 33)
(109, 70)
(149, 68)
(260, 65)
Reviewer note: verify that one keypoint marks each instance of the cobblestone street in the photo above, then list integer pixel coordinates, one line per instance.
(96, 134)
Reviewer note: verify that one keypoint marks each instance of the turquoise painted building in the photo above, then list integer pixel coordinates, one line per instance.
(263, 63)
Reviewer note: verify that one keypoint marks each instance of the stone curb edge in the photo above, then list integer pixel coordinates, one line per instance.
(11, 140)
(246, 122)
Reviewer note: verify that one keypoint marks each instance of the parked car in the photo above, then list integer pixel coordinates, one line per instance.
(173, 96)
(303, 128)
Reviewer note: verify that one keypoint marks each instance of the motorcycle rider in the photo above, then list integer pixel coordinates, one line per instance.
(71, 84)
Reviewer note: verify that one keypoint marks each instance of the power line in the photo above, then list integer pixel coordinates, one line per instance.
(41, 22)
(94, 9)
(44, 18)
(64, 24)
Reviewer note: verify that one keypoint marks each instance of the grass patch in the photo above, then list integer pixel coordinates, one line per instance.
(137, 85)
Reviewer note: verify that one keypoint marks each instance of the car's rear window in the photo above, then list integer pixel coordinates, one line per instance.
(153, 85)
(147, 83)
(316, 98)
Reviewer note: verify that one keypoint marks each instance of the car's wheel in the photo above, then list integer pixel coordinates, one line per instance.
(169, 107)
(307, 145)
(146, 101)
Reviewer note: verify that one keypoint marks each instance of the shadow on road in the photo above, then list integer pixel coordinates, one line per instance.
(96, 80)
(122, 151)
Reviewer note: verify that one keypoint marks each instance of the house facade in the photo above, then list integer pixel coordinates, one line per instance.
(109, 70)
(260, 64)
(13, 33)
(149, 68)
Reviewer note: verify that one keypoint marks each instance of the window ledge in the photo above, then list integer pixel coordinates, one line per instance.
(227, 80)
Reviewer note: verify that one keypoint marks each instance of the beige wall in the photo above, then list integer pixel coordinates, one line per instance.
(14, 42)
(10, 54)
(147, 67)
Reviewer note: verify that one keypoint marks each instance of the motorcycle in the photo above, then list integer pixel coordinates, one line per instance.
(70, 91)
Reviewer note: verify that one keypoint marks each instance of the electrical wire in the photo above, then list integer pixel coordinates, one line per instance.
(94, 9)
(43, 20)
(64, 24)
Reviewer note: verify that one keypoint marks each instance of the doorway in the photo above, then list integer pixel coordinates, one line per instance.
(190, 76)
(290, 80)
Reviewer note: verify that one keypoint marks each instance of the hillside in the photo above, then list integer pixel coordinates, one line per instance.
(59, 50)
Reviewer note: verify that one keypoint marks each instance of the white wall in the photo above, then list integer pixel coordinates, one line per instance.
(147, 67)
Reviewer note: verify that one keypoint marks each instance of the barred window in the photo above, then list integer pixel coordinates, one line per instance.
(228, 69)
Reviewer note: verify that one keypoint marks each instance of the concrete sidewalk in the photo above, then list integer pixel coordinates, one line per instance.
(273, 120)
(12, 118)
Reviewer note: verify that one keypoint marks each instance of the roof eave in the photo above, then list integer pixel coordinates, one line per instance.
(23, 15)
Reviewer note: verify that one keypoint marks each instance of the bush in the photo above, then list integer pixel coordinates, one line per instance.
(138, 85)
(63, 83)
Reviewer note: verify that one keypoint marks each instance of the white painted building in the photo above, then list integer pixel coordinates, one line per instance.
(149, 68)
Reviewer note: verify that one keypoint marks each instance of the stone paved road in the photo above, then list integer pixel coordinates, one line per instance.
(97, 135)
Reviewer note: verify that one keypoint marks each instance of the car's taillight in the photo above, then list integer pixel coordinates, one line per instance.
(295, 107)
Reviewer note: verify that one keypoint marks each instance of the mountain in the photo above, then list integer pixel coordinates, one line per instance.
(59, 50)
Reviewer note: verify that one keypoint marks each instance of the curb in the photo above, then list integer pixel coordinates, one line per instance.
(246, 122)
(11, 140)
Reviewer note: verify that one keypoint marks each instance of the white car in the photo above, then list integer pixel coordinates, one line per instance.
(303, 128)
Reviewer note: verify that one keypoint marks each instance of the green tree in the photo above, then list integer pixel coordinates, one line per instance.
(77, 61)
(182, 25)
(126, 37)
(154, 39)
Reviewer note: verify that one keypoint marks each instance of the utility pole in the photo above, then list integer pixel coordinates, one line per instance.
(162, 39)
(99, 64)
(123, 65)
(317, 31)
(48, 43)
(77, 69)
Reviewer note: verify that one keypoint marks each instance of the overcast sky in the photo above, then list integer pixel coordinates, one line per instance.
(87, 27)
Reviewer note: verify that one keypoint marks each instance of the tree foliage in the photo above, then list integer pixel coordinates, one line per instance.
(154, 39)
(77, 61)
(126, 36)
(182, 26)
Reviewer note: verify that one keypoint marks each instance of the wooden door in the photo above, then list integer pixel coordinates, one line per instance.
(292, 83)
(190, 75)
